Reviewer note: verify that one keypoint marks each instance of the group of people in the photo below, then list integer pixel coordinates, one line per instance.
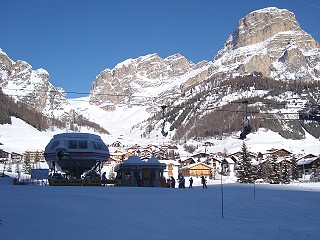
(171, 182)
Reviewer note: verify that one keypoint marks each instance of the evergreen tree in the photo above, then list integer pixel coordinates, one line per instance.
(245, 170)
(258, 169)
(274, 175)
(315, 171)
(294, 169)
(267, 170)
(285, 173)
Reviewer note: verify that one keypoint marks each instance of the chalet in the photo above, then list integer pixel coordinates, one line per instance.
(133, 148)
(229, 167)
(113, 161)
(188, 161)
(160, 154)
(152, 148)
(238, 154)
(200, 157)
(279, 152)
(213, 161)
(116, 144)
(4, 156)
(281, 162)
(308, 164)
(284, 162)
(196, 170)
(208, 144)
(16, 157)
(169, 151)
(117, 154)
(146, 153)
(34, 155)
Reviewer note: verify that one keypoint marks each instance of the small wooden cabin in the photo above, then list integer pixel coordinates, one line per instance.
(196, 170)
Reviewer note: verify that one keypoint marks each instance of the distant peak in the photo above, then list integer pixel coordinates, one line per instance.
(271, 10)
(262, 24)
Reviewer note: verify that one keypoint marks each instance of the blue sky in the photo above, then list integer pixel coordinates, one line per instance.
(74, 40)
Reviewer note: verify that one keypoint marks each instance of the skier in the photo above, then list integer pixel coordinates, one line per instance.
(204, 182)
(190, 182)
(173, 182)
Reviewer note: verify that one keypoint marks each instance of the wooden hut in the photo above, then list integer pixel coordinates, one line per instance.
(196, 170)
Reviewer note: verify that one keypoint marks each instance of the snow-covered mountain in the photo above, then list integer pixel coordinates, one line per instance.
(19, 80)
(270, 41)
(138, 80)
(127, 100)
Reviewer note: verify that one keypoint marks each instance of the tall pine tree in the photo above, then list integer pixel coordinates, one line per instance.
(274, 175)
(294, 168)
(245, 169)
(285, 173)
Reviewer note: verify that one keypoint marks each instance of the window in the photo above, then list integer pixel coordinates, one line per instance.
(72, 144)
(100, 146)
(83, 144)
(54, 145)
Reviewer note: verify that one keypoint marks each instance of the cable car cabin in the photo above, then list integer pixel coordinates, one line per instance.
(76, 153)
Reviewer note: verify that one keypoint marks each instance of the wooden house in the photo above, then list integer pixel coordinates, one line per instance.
(279, 152)
(284, 163)
(196, 170)
(188, 161)
(33, 155)
(308, 164)
(118, 155)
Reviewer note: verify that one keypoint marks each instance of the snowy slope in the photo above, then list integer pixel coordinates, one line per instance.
(20, 137)
(277, 212)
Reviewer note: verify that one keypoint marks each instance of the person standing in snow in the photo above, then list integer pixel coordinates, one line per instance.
(190, 182)
(168, 183)
(204, 182)
(183, 182)
(173, 182)
(179, 181)
(104, 178)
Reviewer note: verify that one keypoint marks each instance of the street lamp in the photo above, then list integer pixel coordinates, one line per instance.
(224, 163)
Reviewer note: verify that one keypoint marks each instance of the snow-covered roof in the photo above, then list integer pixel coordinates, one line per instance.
(195, 164)
(133, 160)
(153, 160)
(229, 160)
(306, 160)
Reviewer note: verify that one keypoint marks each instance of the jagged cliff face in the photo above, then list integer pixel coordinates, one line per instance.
(141, 76)
(19, 80)
(270, 41)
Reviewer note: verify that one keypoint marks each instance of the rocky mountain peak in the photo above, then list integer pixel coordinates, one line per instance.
(18, 79)
(138, 76)
(263, 24)
(270, 41)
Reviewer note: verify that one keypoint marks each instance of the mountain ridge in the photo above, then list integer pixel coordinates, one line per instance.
(279, 51)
